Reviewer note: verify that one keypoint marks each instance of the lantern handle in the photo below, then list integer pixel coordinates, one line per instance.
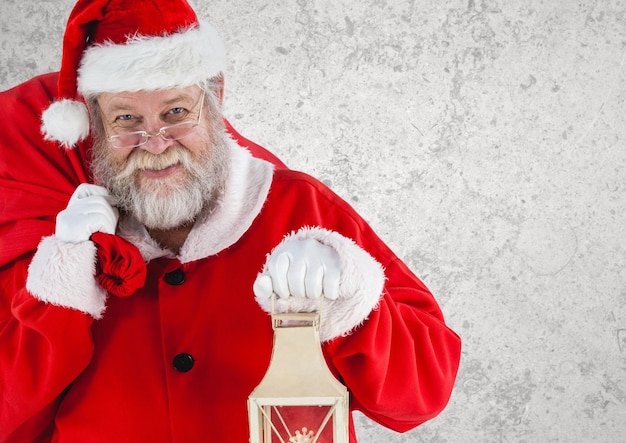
(312, 317)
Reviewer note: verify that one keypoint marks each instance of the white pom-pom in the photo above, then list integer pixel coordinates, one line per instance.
(66, 122)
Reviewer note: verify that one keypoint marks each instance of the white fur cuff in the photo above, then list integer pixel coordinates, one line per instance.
(63, 273)
(360, 287)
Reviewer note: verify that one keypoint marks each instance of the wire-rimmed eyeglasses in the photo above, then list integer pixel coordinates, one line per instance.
(168, 133)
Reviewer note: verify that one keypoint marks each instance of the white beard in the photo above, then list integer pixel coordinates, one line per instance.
(166, 204)
(173, 201)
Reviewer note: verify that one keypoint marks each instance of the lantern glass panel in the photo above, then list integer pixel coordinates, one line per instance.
(298, 424)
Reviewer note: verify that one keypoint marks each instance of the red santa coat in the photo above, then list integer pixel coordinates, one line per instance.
(177, 360)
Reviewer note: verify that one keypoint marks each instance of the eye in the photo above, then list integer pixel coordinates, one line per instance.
(177, 110)
(176, 114)
(126, 121)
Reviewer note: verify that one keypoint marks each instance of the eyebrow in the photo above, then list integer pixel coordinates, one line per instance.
(180, 97)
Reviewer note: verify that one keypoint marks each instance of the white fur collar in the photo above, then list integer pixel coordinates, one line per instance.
(246, 191)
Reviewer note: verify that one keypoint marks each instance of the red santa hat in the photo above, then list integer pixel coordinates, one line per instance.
(127, 45)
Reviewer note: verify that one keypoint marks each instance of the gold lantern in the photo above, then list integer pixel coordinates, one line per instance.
(299, 400)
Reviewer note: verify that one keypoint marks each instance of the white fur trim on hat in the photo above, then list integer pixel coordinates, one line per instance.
(151, 63)
(65, 121)
(360, 287)
(63, 273)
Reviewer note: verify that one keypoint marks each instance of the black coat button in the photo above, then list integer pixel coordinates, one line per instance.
(183, 362)
(175, 277)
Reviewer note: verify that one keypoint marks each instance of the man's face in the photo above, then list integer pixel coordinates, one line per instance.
(163, 183)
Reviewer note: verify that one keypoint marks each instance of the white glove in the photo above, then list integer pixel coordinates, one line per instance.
(300, 268)
(89, 210)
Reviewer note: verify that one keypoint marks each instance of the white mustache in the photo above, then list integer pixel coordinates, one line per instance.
(141, 159)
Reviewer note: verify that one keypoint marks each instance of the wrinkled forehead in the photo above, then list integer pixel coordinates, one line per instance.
(147, 100)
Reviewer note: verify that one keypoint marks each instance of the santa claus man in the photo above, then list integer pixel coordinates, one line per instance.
(144, 315)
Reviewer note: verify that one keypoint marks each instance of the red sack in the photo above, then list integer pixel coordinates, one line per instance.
(120, 269)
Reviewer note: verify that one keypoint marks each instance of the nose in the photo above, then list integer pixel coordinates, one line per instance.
(156, 144)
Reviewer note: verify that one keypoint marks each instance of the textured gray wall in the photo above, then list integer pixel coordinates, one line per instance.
(485, 142)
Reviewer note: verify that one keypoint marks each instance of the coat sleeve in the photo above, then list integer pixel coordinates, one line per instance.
(44, 348)
(401, 363)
